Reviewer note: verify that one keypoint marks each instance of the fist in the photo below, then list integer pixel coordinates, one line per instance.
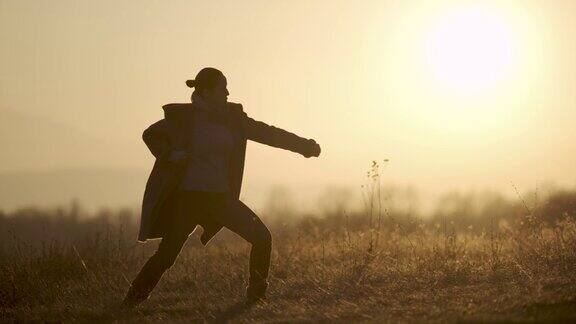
(313, 149)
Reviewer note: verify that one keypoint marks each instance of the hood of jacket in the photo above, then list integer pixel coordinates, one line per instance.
(173, 111)
(181, 111)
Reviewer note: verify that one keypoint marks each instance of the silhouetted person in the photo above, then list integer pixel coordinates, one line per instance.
(200, 150)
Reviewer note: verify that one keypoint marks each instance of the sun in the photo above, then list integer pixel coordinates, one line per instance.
(457, 67)
(468, 49)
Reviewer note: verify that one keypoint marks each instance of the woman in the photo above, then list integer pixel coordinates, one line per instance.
(200, 150)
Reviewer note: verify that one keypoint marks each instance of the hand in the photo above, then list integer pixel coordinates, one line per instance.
(313, 149)
(178, 155)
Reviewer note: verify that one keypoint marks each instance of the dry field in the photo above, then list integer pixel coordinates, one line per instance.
(370, 266)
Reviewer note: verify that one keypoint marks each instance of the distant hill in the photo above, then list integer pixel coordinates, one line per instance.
(45, 163)
(30, 142)
(93, 187)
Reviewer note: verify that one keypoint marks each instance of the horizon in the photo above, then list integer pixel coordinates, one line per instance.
(449, 113)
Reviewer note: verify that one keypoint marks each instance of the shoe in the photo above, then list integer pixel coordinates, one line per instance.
(256, 292)
(134, 297)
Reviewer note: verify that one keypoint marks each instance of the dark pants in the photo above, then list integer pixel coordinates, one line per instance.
(194, 207)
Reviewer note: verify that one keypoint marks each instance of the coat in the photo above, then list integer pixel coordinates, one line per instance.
(173, 132)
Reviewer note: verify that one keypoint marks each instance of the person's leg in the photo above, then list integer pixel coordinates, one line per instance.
(162, 260)
(240, 219)
(152, 271)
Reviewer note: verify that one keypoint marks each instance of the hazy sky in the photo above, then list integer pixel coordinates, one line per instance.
(456, 94)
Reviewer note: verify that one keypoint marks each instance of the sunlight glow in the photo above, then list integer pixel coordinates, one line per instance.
(461, 68)
(469, 49)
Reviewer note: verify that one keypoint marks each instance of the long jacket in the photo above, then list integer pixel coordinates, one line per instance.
(174, 133)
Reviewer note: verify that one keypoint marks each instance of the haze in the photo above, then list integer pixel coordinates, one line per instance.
(80, 81)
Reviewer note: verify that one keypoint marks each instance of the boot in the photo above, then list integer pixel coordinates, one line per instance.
(141, 288)
(135, 296)
(256, 291)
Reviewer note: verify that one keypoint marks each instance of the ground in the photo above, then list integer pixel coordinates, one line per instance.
(319, 274)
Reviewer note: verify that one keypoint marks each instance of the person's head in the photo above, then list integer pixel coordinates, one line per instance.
(210, 84)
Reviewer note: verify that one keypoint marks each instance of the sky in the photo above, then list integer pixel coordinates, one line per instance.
(457, 95)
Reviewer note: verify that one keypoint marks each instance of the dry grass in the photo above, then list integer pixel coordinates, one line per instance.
(370, 266)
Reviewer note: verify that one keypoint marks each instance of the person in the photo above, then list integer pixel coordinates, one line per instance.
(199, 151)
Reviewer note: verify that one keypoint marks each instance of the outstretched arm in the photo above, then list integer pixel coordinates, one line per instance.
(270, 135)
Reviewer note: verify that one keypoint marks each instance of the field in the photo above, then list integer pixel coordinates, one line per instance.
(377, 265)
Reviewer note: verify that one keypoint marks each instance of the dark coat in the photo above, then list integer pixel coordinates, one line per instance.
(174, 133)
